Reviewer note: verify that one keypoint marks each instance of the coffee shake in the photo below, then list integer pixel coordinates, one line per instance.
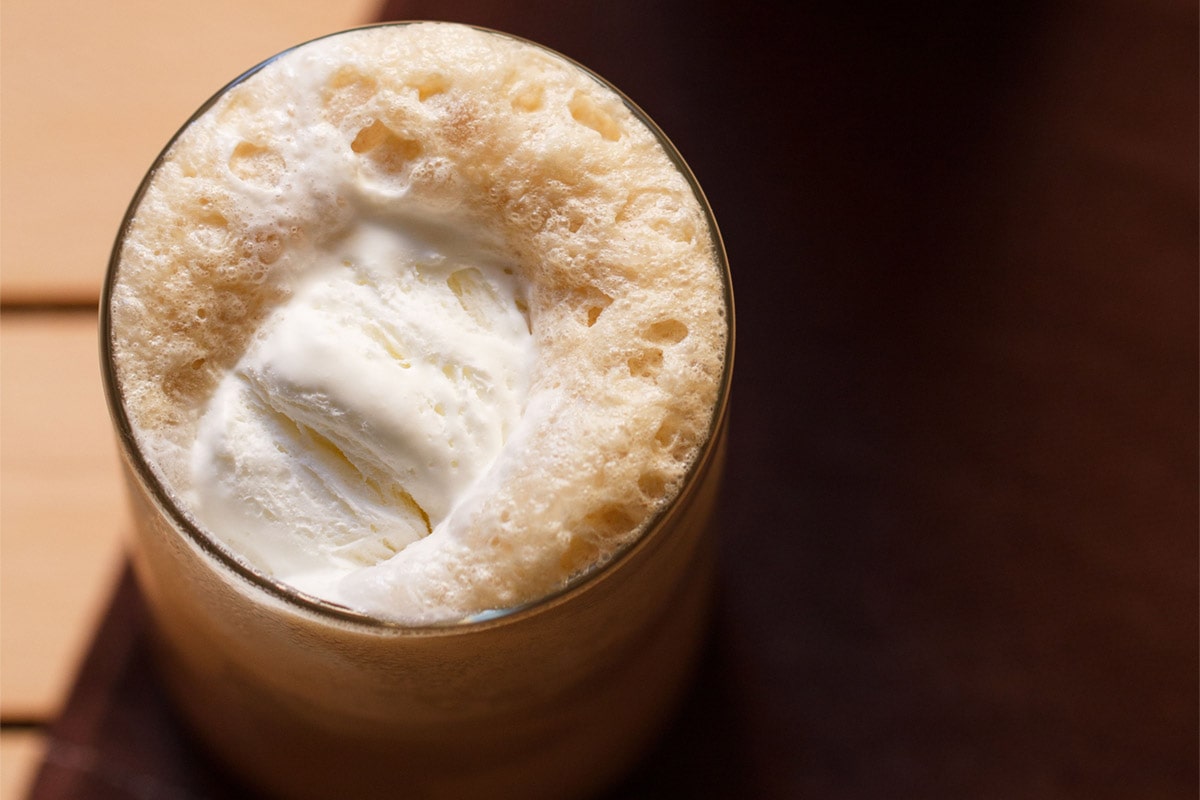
(419, 342)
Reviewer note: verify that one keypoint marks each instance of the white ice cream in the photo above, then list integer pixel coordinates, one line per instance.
(367, 404)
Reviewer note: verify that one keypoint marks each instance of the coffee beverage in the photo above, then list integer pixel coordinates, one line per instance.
(418, 341)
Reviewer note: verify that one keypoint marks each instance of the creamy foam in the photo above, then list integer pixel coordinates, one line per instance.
(421, 320)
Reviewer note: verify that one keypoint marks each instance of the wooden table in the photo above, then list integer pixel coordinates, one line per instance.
(91, 92)
(959, 549)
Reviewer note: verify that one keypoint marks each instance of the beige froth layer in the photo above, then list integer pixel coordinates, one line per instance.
(626, 300)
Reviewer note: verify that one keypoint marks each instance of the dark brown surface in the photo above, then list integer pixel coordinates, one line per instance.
(960, 539)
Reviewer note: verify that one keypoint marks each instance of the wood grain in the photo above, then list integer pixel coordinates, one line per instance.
(20, 753)
(63, 509)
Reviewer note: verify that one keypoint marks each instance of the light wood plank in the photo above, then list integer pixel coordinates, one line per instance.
(20, 754)
(92, 91)
(62, 506)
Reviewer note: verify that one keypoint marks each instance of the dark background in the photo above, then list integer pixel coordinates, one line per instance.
(960, 517)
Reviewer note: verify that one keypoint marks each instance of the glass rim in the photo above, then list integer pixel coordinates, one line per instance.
(226, 558)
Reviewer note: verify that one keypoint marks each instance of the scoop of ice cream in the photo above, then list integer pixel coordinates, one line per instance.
(367, 404)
